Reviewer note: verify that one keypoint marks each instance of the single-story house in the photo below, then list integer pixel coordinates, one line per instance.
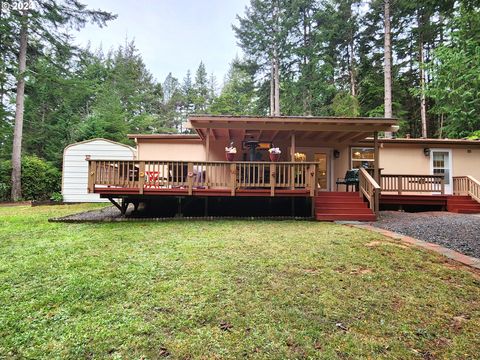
(315, 155)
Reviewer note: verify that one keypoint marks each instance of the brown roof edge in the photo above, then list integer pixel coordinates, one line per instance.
(424, 141)
(164, 136)
(282, 117)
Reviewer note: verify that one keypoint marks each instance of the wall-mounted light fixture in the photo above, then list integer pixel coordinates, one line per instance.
(426, 151)
(336, 154)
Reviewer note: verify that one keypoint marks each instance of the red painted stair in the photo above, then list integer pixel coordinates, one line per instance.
(342, 206)
(462, 204)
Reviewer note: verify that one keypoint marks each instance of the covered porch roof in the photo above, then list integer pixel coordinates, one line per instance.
(307, 129)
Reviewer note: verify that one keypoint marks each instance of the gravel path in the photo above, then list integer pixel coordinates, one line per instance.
(110, 213)
(460, 232)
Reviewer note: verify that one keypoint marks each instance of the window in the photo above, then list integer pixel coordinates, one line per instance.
(362, 157)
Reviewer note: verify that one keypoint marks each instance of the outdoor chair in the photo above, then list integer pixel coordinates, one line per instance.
(351, 178)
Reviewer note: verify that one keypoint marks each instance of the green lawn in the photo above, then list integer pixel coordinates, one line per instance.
(225, 289)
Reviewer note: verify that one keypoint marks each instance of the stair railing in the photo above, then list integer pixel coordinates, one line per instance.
(370, 189)
(467, 185)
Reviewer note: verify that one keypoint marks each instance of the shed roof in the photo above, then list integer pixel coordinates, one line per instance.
(98, 139)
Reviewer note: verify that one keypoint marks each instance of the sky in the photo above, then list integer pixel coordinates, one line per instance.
(171, 35)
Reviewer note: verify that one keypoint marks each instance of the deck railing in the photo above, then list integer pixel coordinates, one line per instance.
(370, 189)
(191, 175)
(466, 185)
(413, 183)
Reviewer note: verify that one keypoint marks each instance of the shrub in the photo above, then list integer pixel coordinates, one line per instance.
(40, 179)
(57, 197)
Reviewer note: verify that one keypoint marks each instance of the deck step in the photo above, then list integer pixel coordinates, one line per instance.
(337, 193)
(465, 211)
(462, 205)
(365, 211)
(342, 206)
(346, 217)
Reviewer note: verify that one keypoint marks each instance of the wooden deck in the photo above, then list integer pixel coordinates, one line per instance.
(202, 178)
(135, 181)
(119, 191)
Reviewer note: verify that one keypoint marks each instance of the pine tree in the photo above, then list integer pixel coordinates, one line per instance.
(201, 89)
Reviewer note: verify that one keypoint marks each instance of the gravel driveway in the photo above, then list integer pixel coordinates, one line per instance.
(460, 232)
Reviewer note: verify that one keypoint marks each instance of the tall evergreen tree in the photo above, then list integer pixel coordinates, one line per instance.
(50, 20)
(201, 89)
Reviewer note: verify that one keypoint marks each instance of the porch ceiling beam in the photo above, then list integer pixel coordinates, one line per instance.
(346, 137)
(242, 134)
(305, 135)
(274, 135)
(357, 137)
(324, 136)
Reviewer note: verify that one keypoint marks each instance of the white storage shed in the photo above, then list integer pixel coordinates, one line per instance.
(75, 166)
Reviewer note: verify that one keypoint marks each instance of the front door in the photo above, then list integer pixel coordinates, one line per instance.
(441, 163)
(322, 160)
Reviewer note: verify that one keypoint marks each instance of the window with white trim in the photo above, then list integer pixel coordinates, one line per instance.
(362, 157)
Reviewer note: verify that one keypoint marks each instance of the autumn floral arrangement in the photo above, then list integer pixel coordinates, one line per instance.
(300, 157)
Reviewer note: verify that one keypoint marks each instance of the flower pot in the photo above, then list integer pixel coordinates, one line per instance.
(274, 157)
(230, 156)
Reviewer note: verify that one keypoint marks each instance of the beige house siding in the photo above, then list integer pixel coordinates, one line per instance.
(163, 150)
(466, 163)
(410, 159)
(406, 160)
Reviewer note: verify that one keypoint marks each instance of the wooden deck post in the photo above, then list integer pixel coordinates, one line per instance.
(141, 177)
(376, 195)
(292, 159)
(400, 184)
(207, 157)
(207, 145)
(92, 170)
(233, 178)
(190, 178)
(443, 185)
(312, 171)
(273, 178)
(376, 160)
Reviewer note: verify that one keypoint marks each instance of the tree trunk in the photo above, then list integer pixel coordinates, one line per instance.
(421, 60)
(272, 91)
(387, 65)
(352, 70)
(277, 86)
(18, 130)
(306, 69)
(351, 56)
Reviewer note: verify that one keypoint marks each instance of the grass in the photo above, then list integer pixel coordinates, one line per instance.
(225, 289)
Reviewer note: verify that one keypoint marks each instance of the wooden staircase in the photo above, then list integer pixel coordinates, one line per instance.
(462, 204)
(342, 206)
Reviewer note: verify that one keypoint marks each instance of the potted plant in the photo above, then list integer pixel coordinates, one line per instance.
(274, 153)
(230, 152)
